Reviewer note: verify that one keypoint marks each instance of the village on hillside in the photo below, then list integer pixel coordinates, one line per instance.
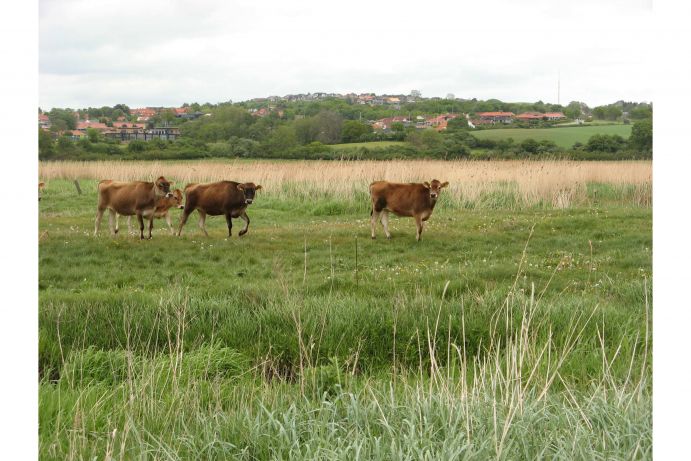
(148, 123)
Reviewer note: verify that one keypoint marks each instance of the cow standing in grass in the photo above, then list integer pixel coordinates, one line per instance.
(227, 198)
(413, 200)
(163, 206)
(137, 198)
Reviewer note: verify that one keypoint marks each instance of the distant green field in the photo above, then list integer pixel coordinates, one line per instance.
(369, 145)
(563, 137)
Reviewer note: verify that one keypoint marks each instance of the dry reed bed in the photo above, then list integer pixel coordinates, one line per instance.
(561, 183)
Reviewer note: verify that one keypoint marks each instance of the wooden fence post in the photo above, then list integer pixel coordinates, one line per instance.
(79, 189)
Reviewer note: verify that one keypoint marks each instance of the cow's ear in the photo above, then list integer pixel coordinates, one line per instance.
(444, 184)
(241, 187)
(258, 187)
(426, 184)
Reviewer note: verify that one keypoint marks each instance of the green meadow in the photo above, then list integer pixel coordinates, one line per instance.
(562, 137)
(509, 332)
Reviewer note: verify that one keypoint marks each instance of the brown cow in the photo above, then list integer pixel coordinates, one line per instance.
(414, 199)
(227, 198)
(41, 186)
(130, 198)
(163, 205)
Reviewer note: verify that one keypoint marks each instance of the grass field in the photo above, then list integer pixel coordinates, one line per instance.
(563, 137)
(516, 329)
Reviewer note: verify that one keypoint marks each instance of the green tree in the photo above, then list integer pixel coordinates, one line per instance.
(427, 139)
(330, 124)
(58, 126)
(455, 124)
(167, 116)
(641, 112)
(324, 127)
(530, 145)
(45, 144)
(93, 135)
(613, 112)
(306, 130)
(282, 140)
(610, 112)
(123, 108)
(353, 130)
(605, 143)
(397, 127)
(573, 110)
(136, 146)
(65, 145)
(641, 138)
(64, 117)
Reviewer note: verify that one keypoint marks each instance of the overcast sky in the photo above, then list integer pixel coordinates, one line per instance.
(165, 53)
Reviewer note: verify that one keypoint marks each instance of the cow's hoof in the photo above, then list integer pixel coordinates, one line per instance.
(241, 234)
(373, 237)
(116, 231)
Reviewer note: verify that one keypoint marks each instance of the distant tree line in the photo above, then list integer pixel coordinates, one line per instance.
(306, 129)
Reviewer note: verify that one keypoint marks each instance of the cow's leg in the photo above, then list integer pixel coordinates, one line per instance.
(151, 224)
(202, 222)
(385, 222)
(247, 223)
(183, 220)
(373, 221)
(140, 218)
(99, 216)
(129, 225)
(418, 224)
(229, 220)
(170, 225)
(112, 221)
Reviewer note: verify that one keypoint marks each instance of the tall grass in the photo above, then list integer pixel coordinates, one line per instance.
(288, 343)
(498, 403)
(559, 184)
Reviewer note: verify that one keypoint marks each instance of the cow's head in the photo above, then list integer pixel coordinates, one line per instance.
(177, 196)
(162, 187)
(435, 188)
(174, 201)
(249, 189)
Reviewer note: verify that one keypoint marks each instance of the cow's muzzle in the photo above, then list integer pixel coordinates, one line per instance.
(433, 195)
(181, 207)
(248, 201)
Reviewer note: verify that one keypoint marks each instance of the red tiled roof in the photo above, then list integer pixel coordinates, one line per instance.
(443, 118)
(530, 116)
(143, 111)
(555, 114)
(495, 114)
(42, 118)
